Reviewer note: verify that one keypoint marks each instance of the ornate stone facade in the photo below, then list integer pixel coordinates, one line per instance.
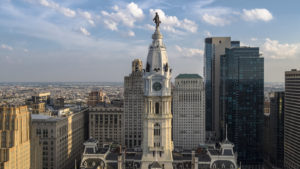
(157, 139)
(133, 106)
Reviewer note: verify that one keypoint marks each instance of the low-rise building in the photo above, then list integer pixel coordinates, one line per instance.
(62, 138)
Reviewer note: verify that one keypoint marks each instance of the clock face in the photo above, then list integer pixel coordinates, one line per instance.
(156, 86)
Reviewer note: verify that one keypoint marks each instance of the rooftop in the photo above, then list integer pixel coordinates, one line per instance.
(40, 117)
(187, 76)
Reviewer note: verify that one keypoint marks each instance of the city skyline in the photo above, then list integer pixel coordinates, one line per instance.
(48, 40)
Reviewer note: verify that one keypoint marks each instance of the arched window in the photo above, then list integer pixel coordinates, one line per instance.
(156, 129)
(156, 108)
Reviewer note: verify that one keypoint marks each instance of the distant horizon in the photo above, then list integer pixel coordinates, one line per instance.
(83, 82)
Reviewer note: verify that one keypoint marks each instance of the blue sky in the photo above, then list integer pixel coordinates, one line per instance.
(96, 40)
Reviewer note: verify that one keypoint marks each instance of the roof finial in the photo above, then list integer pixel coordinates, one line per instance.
(156, 20)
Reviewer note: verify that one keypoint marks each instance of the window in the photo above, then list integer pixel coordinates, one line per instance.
(156, 108)
(45, 133)
(156, 129)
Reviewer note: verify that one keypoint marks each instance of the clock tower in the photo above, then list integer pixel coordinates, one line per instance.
(157, 141)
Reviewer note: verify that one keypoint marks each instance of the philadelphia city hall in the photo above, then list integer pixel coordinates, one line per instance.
(157, 149)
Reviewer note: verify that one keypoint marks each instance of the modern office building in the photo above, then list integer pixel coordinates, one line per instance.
(105, 124)
(214, 48)
(274, 132)
(62, 138)
(188, 111)
(242, 102)
(15, 137)
(133, 106)
(292, 120)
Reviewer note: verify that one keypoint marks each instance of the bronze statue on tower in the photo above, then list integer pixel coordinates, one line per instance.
(156, 20)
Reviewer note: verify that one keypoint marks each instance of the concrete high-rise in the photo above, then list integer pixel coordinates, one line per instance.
(274, 132)
(188, 111)
(242, 102)
(133, 106)
(214, 48)
(105, 124)
(15, 137)
(292, 120)
(62, 138)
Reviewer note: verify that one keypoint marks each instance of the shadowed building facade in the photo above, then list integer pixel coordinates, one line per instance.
(292, 120)
(62, 138)
(242, 102)
(214, 48)
(274, 132)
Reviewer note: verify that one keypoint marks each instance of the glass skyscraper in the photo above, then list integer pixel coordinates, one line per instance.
(242, 102)
(208, 87)
(214, 48)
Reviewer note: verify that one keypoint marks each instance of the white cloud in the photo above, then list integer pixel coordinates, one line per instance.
(135, 11)
(221, 16)
(112, 25)
(189, 52)
(65, 11)
(149, 27)
(172, 23)
(207, 34)
(216, 16)
(215, 20)
(275, 50)
(87, 16)
(84, 31)
(131, 33)
(4, 46)
(127, 16)
(253, 39)
(26, 50)
(257, 15)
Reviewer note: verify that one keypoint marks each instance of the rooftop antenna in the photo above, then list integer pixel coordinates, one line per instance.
(226, 132)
